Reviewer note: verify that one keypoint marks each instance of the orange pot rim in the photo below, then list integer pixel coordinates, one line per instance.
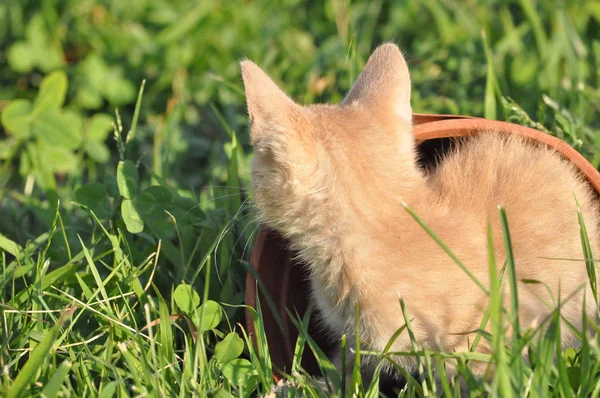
(446, 126)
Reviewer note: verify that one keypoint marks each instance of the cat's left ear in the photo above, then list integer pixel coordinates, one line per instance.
(383, 87)
(268, 105)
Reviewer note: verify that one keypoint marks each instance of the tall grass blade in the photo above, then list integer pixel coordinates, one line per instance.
(411, 335)
(328, 371)
(356, 384)
(590, 263)
(491, 84)
(136, 114)
(53, 386)
(444, 247)
(516, 343)
(501, 373)
(536, 26)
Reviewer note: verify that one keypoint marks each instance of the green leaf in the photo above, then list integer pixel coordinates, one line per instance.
(74, 128)
(97, 151)
(52, 92)
(51, 58)
(127, 179)
(574, 376)
(237, 371)
(58, 129)
(108, 391)
(94, 197)
(15, 118)
(33, 162)
(20, 57)
(118, 90)
(10, 246)
(186, 210)
(52, 388)
(157, 194)
(98, 127)
(110, 181)
(88, 97)
(229, 348)
(222, 393)
(8, 147)
(133, 221)
(37, 34)
(105, 80)
(153, 204)
(208, 315)
(56, 159)
(570, 356)
(186, 298)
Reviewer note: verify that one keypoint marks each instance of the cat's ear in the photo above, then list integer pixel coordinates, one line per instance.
(384, 84)
(268, 105)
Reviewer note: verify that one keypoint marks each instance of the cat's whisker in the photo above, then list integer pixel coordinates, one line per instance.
(225, 231)
(244, 189)
(246, 245)
(240, 236)
(253, 233)
(221, 197)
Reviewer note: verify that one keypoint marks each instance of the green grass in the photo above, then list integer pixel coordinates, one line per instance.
(125, 219)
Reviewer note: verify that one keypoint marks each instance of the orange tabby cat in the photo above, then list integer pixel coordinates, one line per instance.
(333, 178)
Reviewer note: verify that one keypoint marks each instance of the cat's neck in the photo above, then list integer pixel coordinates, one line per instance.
(334, 237)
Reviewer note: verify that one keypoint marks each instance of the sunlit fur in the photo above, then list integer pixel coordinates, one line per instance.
(331, 178)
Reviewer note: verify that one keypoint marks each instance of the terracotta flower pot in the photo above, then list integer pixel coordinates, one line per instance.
(286, 280)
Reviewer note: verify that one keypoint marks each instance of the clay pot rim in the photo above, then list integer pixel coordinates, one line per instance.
(444, 127)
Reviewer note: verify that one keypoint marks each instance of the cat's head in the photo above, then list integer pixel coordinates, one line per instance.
(311, 156)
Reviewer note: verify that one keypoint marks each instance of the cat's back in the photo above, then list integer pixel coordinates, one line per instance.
(494, 169)
(536, 186)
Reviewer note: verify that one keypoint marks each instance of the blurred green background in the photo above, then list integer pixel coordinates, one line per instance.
(95, 201)
(188, 53)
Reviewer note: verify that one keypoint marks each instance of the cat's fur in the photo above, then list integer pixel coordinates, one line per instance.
(332, 179)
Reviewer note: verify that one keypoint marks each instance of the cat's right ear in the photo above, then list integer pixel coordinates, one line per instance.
(269, 107)
(384, 85)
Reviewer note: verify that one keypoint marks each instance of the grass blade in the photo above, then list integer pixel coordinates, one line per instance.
(491, 83)
(136, 114)
(590, 263)
(501, 376)
(37, 357)
(444, 247)
(516, 344)
(53, 386)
